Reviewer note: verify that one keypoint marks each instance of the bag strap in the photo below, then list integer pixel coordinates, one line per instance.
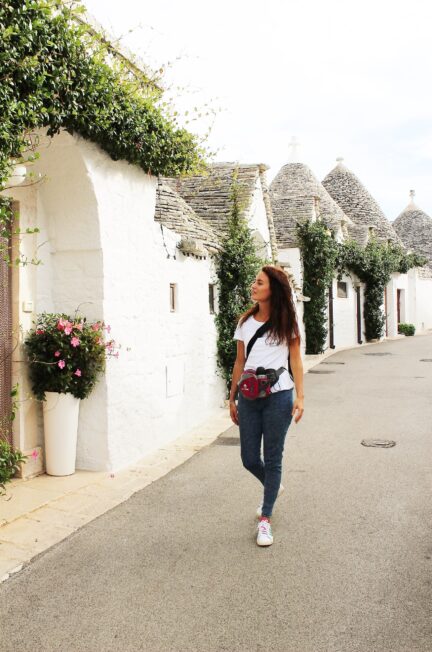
(260, 332)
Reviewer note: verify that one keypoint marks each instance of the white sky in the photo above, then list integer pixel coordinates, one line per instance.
(347, 78)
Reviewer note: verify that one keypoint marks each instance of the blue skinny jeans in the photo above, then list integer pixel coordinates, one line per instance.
(265, 419)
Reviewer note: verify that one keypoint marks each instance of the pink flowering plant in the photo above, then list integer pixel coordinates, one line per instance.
(67, 354)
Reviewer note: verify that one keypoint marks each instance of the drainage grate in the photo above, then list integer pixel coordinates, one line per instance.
(378, 443)
(320, 371)
(324, 362)
(426, 360)
(227, 441)
(378, 354)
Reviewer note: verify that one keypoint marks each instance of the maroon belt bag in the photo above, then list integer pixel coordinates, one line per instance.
(257, 383)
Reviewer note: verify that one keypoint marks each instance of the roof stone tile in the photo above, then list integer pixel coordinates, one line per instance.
(414, 228)
(210, 195)
(353, 198)
(174, 213)
(296, 196)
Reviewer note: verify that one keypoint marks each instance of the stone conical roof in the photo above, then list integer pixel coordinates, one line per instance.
(210, 195)
(348, 191)
(414, 228)
(174, 213)
(297, 195)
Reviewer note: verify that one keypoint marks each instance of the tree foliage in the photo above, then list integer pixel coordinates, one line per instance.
(57, 73)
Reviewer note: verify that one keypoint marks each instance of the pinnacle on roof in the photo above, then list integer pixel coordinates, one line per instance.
(297, 195)
(294, 151)
(353, 198)
(414, 228)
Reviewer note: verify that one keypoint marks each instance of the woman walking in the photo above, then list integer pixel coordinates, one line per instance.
(267, 337)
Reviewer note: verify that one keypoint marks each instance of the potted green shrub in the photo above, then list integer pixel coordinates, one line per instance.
(406, 329)
(66, 356)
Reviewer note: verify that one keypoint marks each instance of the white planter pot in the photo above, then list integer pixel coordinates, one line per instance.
(60, 413)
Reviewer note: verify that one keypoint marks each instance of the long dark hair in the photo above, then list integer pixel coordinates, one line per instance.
(283, 318)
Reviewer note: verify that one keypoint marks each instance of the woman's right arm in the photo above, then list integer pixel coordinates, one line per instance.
(237, 372)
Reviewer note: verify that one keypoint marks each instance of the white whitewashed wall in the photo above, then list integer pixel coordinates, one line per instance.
(292, 257)
(420, 293)
(257, 218)
(167, 382)
(105, 251)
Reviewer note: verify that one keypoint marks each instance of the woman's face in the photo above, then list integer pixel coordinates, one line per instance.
(260, 288)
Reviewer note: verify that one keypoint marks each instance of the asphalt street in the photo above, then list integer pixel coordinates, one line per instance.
(176, 567)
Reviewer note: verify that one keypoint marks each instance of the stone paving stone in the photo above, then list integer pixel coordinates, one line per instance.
(27, 533)
(53, 516)
(64, 484)
(10, 551)
(84, 504)
(22, 499)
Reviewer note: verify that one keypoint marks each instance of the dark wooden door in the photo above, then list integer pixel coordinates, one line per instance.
(359, 315)
(331, 317)
(5, 340)
(399, 306)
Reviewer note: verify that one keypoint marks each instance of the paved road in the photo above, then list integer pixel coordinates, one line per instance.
(176, 568)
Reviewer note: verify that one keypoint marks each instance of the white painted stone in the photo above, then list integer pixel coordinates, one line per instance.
(101, 248)
(258, 222)
(420, 300)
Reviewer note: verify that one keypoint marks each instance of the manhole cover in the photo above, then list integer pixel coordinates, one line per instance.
(378, 354)
(228, 441)
(321, 371)
(378, 443)
(426, 360)
(332, 362)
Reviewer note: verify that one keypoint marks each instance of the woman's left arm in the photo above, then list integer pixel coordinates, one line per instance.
(297, 371)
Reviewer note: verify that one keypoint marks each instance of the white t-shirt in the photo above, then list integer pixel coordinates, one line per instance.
(265, 352)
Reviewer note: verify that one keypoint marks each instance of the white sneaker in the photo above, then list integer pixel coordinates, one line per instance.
(260, 506)
(265, 536)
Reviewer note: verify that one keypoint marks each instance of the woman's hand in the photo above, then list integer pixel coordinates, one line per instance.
(234, 413)
(298, 409)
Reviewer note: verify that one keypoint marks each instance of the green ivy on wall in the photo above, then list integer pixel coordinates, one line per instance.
(319, 254)
(57, 73)
(373, 265)
(236, 267)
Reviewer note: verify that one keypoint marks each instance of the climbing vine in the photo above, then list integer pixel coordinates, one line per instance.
(373, 265)
(319, 254)
(236, 267)
(56, 73)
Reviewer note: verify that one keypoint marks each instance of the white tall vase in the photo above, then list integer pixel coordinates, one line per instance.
(60, 412)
